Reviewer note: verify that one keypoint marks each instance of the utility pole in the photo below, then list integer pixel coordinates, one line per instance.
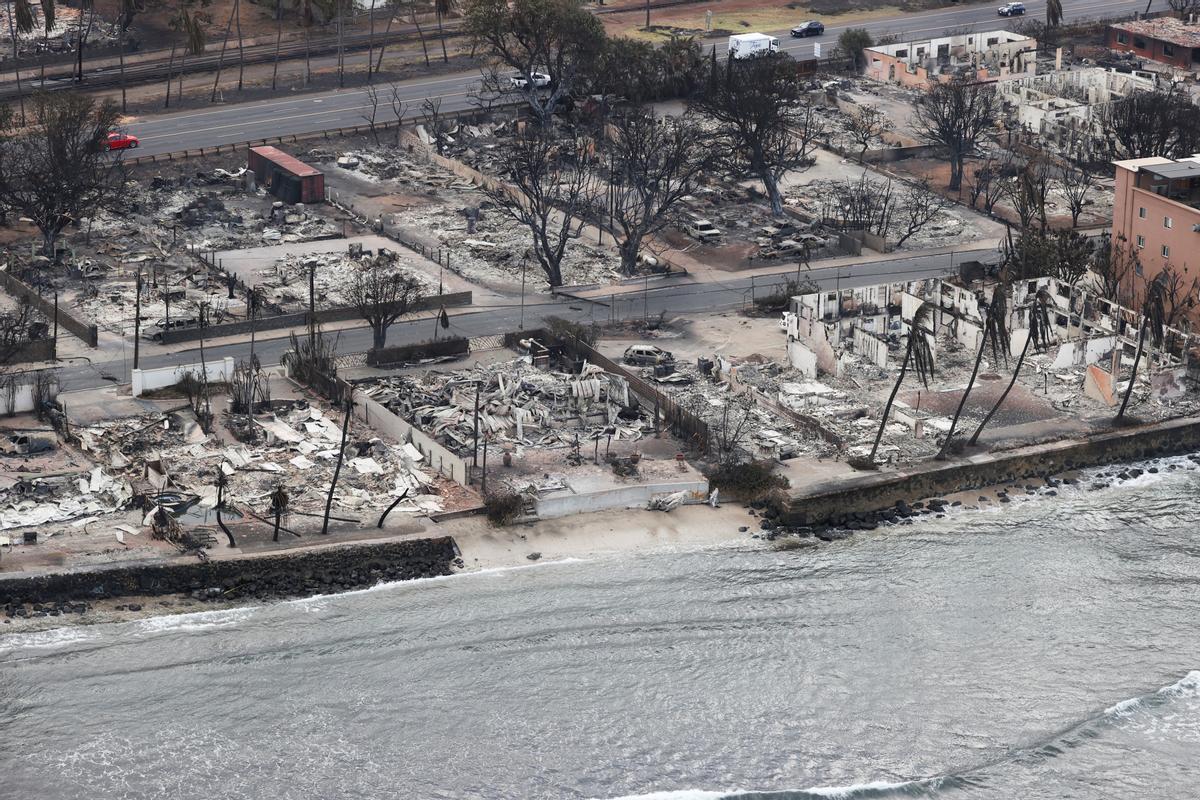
(475, 454)
(137, 316)
(312, 308)
(521, 324)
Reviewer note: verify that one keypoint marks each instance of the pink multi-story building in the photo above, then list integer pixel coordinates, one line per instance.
(1156, 211)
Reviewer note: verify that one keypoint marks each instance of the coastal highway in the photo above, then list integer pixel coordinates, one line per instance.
(306, 113)
(670, 296)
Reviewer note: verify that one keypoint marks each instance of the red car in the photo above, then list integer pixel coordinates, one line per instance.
(120, 141)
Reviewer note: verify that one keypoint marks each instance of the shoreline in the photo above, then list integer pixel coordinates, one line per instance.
(483, 548)
(861, 502)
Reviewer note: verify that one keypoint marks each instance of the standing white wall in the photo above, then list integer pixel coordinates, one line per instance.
(147, 380)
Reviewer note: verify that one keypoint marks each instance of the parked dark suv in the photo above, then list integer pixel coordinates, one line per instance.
(810, 28)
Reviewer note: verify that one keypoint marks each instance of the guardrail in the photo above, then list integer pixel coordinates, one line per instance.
(296, 138)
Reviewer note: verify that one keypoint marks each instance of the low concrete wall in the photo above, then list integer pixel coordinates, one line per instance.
(875, 491)
(300, 319)
(46, 307)
(147, 380)
(437, 457)
(289, 574)
(615, 499)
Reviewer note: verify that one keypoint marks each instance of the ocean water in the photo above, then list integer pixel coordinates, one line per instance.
(1049, 648)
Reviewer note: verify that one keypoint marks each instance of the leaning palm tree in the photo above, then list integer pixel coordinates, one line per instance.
(1154, 319)
(1038, 338)
(919, 354)
(1054, 13)
(338, 467)
(995, 330)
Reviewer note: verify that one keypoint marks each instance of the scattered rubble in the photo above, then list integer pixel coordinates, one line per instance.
(285, 283)
(520, 406)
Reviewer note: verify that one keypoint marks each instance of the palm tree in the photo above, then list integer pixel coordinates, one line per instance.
(442, 8)
(995, 330)
(1154, 319)
(919, 354)
(1054, 13)
(192, 25)
(279, 504)
(20, 20)
(234, 12)
(412, 7)
(1039, 337)
(222, 482)
(338, 468)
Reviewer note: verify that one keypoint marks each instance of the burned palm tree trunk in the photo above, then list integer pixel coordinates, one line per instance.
(279, 504)
(1038, 337)
(222, 482)
(170, 75)
(237, 9)
(383, 44)
(12, 32)
(221, 57)
(338, 467)
(995, 329)
(278, 40)
(1153, 322)
(920, 355)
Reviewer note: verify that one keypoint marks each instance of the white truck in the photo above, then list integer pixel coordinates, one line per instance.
(752, 45)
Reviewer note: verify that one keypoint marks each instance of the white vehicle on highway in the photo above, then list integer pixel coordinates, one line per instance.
(752, 45)
(540, 80)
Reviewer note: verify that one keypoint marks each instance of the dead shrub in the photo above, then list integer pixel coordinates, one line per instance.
(503, 508)
(747, 482)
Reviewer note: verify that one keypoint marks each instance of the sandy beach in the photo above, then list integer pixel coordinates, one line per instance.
(483, 547)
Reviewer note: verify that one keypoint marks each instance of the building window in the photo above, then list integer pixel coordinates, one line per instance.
(1167, 222)
(1142, 212)
(1122, 38)
(1168, 50)
(1141, 241)
(1139, 43)
(1166, 251)
(902, 53)
(1137, 267)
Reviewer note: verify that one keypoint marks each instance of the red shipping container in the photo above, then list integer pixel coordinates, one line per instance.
(285, 176)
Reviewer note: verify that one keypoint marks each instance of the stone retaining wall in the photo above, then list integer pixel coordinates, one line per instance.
(288, 574)
(874, 491)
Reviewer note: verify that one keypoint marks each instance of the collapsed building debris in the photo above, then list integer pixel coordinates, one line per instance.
(446, 211)
(519, 406)
(286, 283)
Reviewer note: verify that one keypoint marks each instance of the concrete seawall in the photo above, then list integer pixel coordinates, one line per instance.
(832, 502)
(288, 574)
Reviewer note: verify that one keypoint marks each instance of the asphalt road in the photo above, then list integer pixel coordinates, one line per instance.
(661, 297)
(229, 124)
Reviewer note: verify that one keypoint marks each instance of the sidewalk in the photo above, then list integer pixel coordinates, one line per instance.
(704, 274)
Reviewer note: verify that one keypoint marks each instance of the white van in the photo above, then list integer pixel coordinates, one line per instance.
(752, 45)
